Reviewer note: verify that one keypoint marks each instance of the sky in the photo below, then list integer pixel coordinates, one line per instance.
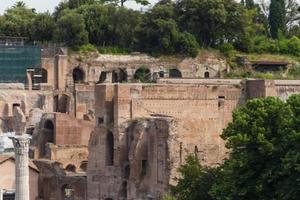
(44, 5)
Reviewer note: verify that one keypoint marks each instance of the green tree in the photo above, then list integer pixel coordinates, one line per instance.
(43, 27)
(17, 21)
(71, 29)
(195, 181)
(264, 143)
(158, 32)
(277, 18)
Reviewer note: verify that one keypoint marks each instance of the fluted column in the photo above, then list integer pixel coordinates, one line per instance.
(21, 144)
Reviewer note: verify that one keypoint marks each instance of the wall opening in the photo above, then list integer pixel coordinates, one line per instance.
(64, 103)
(8, 196)
(206, 75)
(109, 149)
(83, 166)
(144, 167)
(143, 74)
(78, 75)
(47, 137)
(175, 73)
(55, 103)
(221, 101)
(161, 74)
(119, 76)
(103, 77)
(70, 168)
(44, 76)
(68, 192)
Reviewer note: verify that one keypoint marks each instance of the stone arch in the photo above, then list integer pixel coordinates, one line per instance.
(119, 76)
(67, 192)
(206, 74)
(142, 74)
(78, 75)
(44, 75)
(109, 149)
(47, 136)
(70, 168)
(103, 77)
(83, 166)
(175, 73)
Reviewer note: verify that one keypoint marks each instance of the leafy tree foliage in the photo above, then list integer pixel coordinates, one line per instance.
(42, 28)
(195, 182)
(71, 29)
(158, 32)
(17, 21)
(264, 161)
(277, 17)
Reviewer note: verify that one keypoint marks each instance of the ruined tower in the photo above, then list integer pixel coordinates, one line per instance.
(21, 145)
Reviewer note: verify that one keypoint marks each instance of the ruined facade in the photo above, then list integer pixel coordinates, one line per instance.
(144, 131)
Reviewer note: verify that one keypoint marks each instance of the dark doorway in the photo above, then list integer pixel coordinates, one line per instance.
(109, 149)
(78, 75)
(175, 73)
(71, 168)
(44, 76)
(102, 77)
(47, 136)
(206, 75)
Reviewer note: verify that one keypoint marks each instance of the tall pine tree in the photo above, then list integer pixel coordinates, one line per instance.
(277, 18)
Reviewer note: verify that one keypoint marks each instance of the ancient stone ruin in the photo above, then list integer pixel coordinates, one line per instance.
(107, 127)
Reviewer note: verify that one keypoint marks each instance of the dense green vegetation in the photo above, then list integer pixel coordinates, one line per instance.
(179, 27)
(264, 160)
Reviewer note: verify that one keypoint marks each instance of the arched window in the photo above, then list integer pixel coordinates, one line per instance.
(143, 75)
(83, 166)
(70, 168)
(49, 125)
(109, 149)
(102, 77)
(206, 75)
(44, 76)
(175, 73)
(119, 76)
(78, 75)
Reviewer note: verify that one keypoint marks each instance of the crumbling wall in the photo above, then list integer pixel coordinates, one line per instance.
(138, 166)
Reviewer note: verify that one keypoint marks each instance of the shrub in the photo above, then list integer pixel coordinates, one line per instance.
(87, 48)
(188, 44)
(293, 45)
(226, 49)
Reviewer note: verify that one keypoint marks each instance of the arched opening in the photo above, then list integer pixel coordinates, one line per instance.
(44, 76)
(109, 149)
(206, 75)
(70, 168)
(102, 77)
(47, 137)
(49, 125)
(55, 103)
(83, 166)
(68, 192)
(161, 74)
(78, 75)
(175, 73)
(64, 102)
(119, 76)
(143, 75)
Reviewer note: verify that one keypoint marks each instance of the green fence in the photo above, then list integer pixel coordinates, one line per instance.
(15, 60)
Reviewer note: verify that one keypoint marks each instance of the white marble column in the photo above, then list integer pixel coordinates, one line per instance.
(21, 144)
